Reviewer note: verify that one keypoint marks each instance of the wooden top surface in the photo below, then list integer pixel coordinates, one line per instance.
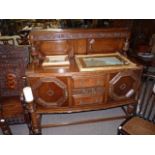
(72, 69)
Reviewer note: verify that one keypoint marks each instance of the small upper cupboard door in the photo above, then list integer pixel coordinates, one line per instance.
(104, 45)
(57, 47)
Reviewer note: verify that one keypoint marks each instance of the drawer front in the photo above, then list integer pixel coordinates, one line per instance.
(89, 91)
(83, 82)
(87, 100)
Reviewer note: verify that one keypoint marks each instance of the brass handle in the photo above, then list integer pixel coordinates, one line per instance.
(91, 42)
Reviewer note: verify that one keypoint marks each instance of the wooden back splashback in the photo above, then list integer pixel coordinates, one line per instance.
(77, 41)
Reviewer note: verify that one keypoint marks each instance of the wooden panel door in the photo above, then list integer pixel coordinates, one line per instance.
(123, 85)
(50, 91)
(104, 45)
(80, 46)
(56, 47)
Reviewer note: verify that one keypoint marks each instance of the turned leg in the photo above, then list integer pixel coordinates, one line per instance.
(36, 123)
(27, 118)
(34, 119)
(129, 110)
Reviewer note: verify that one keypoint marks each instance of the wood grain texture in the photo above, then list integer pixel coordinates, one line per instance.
(77, 41)
(85, 90)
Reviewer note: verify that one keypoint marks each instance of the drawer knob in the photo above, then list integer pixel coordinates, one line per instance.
(123, 86)
(50, 92)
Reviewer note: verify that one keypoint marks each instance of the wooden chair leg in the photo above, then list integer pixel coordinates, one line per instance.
(5, 128)
(130, 109)
(119, 130)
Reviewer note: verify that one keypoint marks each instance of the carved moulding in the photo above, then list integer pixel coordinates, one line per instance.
(49, 92)
(58, 36)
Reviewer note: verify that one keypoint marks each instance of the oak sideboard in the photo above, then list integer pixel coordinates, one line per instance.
(66, 88)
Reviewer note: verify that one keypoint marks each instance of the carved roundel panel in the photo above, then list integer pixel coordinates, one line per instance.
(50, 92)
(123, 85)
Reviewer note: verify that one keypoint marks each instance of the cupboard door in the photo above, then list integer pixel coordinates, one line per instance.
(50, 92)
(104, 45)
(55, 47)
(80, 46)
(123, 85)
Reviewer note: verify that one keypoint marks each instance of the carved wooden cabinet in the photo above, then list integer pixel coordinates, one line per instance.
(60, 89)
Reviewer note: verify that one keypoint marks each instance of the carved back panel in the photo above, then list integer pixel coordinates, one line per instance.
(106, 44)
(13, 62)
(53, 47)
(77, 41)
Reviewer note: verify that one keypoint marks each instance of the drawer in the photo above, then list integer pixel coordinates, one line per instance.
(89, 91)
(83, 82)
(87, 100)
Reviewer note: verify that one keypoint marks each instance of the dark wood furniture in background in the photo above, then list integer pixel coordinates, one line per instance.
(7, 41)
(13, 62)
(64, 89)
(143, 121)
